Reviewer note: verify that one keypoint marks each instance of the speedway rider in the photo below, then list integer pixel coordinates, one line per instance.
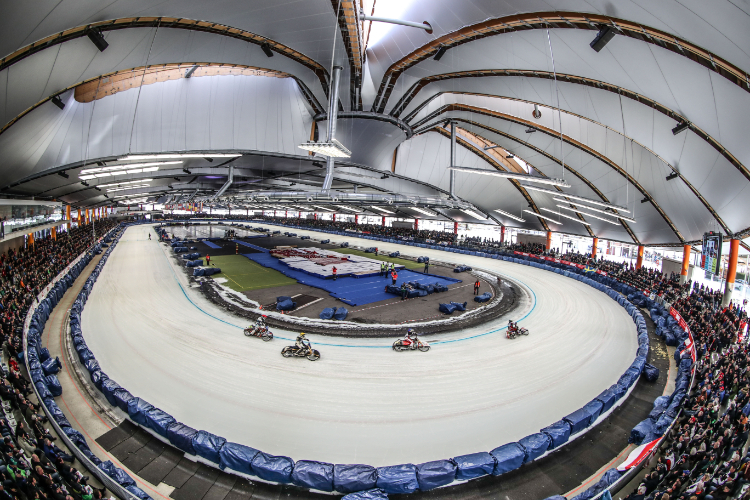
(512, 327)
(411, 336)
(260, 325)
(302, 343)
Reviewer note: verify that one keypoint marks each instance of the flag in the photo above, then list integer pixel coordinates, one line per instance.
(638, 455)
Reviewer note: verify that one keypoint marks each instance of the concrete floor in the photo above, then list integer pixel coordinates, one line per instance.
(361, 402)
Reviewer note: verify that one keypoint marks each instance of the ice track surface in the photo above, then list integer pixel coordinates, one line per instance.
(361, 402)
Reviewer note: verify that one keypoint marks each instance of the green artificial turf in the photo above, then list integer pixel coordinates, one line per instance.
(409, 264)
(243, 274)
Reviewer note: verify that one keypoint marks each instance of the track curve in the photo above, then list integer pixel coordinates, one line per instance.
(473, 391)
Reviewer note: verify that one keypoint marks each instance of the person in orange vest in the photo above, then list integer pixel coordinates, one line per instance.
(394, 277)
(334, 272)
(476, 287)
(208, 260)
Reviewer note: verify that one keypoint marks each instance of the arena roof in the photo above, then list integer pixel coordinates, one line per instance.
(606, 124)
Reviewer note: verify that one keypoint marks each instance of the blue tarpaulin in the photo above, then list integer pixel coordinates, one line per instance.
(447, 308)
(236, 457)
(474, 465)
(397, 479)
(122, 397)
(559, 433)
(208, 446)
(348, 478)
(431, 475)
(54, 385)
(272, 468)
(181, 436)
(608, 399)
(158, 420)
(535, 445)
(340, 313)
(327, 313)
(508, 457)
(313, 475)
(371, 494)
(485, 297)
(108, 388)
(640, 431)
(119, 475)
(51, 366)
(650, 372)
(578, 420)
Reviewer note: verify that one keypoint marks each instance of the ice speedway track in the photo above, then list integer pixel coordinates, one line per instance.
(361, 402)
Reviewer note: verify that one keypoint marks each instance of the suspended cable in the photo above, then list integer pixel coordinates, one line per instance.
(625, 153)
(559, 113)
(140, 88)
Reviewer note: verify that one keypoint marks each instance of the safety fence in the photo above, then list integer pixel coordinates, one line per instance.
(361, 480)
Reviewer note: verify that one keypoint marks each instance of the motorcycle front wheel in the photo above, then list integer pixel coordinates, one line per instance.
(423, 348)
(287, 352)
(247, 332)
(267, 336)
(314, 355)
(524, 331)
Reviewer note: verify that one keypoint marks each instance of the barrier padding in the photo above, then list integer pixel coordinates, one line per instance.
(640, 431)
(92, 365)
(609, 478)
(508, 457)
(51, 366)
(372, 494)
(397, 479)
(43, 391)
(181, 436)
(340, 313)
(158, 420)
(650, 372)
(327, 313)
(122, 397)
(272, 468)
(137, 409)
(485, 297)
(54, 385)
(120, 476)
(474, 465)
(313, 475)
(608, 399)
(593, 409)
(431, 475)
(208, 446)
(459, 306)
(348, 478)
(109, 386)
(578, 420)
(56, 413)
(559, 433)
(76, 437)
(285, 305)
(236, 457)
(139, 493)
(98, 377)
(447, 308)
(535, 445)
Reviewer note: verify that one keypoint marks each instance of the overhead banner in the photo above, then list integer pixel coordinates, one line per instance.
(711, 252)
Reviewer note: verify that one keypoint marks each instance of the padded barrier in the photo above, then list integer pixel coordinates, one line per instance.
(137, 409)
(208, 446)
(181, 436)
(397, 479)
(535, 445)
(650, 372)
(447, 308)
(158, 421)
(313, 475)
(119, 475)
(272, 468)
(236, 457)
(431, 475)
(485, 297)
(474, 465)
(459, 306)
(348, 478)
(640, 431)
(327, 313)
(51, 366)
(372, 494)
(559, 433)
(508, 457)
(341, 313)
(285, 305)
(54, 385)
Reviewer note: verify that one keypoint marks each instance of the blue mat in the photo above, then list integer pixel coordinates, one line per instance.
(254, 247)
(352, 291)
(212, 245)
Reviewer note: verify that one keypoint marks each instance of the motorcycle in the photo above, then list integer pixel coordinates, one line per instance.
(307, 352)
(406, 344)
(511, 334)
(263, 333)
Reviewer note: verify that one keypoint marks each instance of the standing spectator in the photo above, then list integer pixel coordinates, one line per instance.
(208, 260)
(404, 291)
(394, 277)
(426, 266)
(334, 270)
(383, 269)
(376, 251)
(477, 284)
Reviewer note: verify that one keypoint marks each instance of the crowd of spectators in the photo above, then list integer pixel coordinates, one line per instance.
(31, 465)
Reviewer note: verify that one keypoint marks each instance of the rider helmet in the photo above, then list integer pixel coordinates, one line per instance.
(410, 331)
(301, 334)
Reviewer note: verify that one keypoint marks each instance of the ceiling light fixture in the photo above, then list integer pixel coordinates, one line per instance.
(167, 156)
(425, 25)
(63, 174)
(509, 215)
(567, 216)
(125, 188)
(440, 53)
(530, 130)
(589, 215)
(602, 38)
(673, 175)
(96, 37)
(681, 127)
(58, 102)
(343, 207)
(422, 211)
(333, 148)
(472, 213)
(382, 210)
(487, 148)
(645, 200)
(512, 175)
(125, 183)
(543, 217)
(115, 168)
(266, 48)
(629, 219)
(574, 197)
(323, 208)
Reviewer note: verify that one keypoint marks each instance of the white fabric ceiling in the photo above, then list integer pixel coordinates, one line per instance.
(271, 115)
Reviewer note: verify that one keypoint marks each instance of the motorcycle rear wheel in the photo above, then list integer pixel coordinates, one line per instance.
(268, 336)
(314, 355)
(397, 346)
(287, 352)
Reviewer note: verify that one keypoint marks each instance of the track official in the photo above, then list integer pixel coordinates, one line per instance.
(477, 284)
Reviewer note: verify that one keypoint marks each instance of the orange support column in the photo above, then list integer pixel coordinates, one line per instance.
(79, 217)
(67, 215)
(502, 234)
(382, 221)
(54, 233)
(734, 251)
(416, 224)
(685, 263)
(455, 227)
(639, 260)
(593, 248)
(31, 239)
(549, 240)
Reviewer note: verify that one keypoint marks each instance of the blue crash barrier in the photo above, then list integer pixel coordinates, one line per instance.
(327, 313)
(158, 420)
(640, 431)
(122, 398)
(559, 433)
(137, 409)
(285, 305)
(459, 306)
(474, 465)
(313, 475)
(348, 478)
(578, 420)
(485, 297)
(181, 436)
(536, 445)
(431, 475)
(272, 468)
(508, 457)
(398, 479)
(108, 388)
(447, 308)
(51, 366)
(608, 399)
(340, 313)
(208, 446)
(237, 457)
(372, 494)
(119, 475)
(650, 372)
